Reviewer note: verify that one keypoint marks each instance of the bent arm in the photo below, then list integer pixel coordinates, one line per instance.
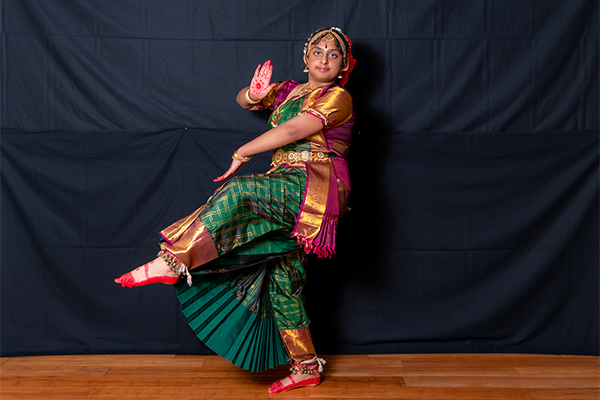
(293, 130)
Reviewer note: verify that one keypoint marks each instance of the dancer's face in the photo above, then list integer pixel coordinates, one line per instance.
(324, 63)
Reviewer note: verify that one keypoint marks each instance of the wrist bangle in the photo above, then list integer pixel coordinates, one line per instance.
(249, 100)
(239, 158)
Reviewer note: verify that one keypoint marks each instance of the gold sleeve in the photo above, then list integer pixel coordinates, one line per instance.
(334, 107)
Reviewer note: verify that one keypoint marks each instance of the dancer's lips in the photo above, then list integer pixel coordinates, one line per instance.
(323, 69)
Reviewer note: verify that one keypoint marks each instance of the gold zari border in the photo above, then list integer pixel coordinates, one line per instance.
(189, 241)
(298, 343)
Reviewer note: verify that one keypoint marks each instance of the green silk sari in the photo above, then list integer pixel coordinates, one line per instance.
(250, 286)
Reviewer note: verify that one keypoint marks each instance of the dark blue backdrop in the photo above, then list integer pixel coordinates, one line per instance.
(474, 221)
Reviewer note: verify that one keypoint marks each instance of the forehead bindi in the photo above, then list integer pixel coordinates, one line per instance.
(327, 48)
(326, 44)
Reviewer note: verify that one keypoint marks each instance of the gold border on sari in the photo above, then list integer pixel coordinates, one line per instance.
(298, 343)
(313, 210)
(189, 240)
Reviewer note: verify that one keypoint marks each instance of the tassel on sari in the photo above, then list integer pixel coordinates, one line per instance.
(317, 222)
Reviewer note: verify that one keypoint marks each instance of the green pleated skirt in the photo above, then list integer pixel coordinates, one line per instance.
(240, 300)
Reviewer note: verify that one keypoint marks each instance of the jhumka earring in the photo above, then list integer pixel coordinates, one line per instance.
(305, 69)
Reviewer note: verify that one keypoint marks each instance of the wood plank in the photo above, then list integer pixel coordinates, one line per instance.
(366, 371)
(493, 363)
(493, 360)
(391, 365)
(49, 371)
(421, 371)
(217, 362)
(501, 382)
(597, 358)
(111, 360)
(153, 372)
(82, 382)
(459, 371)
(43, 393)
(180, 393)
(353, 361)
(323, 391)
(580, 371)
(565, 394)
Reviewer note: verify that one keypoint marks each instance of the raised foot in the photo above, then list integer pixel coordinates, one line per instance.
(153, 272)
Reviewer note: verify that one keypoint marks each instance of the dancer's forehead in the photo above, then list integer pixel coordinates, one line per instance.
(323, 44)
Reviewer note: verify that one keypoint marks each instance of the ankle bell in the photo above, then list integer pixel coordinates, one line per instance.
(176, 266)
(309, 367)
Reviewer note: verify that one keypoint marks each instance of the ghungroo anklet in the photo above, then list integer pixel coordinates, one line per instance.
(308, 367)
(176, 266)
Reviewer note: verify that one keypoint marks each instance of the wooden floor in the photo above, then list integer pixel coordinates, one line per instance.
(449, 376)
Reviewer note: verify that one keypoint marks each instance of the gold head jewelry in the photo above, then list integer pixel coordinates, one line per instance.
(329, 35)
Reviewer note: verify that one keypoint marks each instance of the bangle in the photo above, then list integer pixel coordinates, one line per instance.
(249, 100)
(239, 158)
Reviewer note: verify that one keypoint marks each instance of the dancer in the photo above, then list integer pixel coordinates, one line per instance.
(237, 262)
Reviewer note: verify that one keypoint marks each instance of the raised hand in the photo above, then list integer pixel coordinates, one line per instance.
(261, 82)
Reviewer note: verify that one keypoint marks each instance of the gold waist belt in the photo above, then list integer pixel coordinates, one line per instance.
(291, 157)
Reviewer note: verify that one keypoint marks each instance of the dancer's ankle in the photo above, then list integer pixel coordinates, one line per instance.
(305, 373)
(176, 266)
